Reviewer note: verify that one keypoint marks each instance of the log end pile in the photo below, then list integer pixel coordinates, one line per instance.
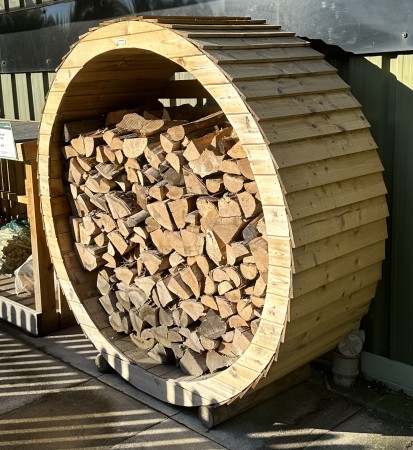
(166, 210)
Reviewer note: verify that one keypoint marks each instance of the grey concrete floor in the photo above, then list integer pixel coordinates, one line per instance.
(53, 397)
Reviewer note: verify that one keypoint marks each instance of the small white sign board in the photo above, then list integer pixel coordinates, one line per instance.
(7, 144)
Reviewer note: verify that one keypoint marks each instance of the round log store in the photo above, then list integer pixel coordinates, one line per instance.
(314, 161)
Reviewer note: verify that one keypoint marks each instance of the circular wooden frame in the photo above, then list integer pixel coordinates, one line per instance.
(314, 162)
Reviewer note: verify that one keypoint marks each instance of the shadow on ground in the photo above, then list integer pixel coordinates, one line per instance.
(53, 397)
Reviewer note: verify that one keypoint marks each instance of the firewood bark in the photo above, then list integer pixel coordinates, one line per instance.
(77, 127)
(178, 132)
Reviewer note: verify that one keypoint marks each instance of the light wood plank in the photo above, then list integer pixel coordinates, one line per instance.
(319, 226)
(335, 195)
(263, 55)
(332, 247)
(232, 33)
(337, 289)
(315, 125)
(229, 43)
(332, 312)
(291, 355)
(201, 68)
(215, 26)
(277, 108)
(315, 277)
(276, 87)
(243, 72)
(331, 170)
(292, 153)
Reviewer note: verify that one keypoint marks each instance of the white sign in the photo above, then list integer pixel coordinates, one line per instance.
(7, 144)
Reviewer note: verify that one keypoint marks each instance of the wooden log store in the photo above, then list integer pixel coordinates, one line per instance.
(209, 249)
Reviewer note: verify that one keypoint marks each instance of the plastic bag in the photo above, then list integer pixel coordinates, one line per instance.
(15, 245)
(24, 281)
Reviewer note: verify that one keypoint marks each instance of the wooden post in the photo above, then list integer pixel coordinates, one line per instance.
(45, 299)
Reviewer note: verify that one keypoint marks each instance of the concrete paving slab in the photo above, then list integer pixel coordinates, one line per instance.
(10, 346)
(368, 430)
(362, 392)
(69, 345)
(73, 348)
(292, 419)
(30, 375)
(399, 406)
(116, 381)
(93, 415)
(169, 435)
(110, 413)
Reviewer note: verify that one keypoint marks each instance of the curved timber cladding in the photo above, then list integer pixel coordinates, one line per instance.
(314, 161)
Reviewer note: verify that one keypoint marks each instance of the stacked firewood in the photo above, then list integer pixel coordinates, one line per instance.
(168, 211)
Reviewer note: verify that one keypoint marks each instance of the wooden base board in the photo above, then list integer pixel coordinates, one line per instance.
(211, 416)
(18, 310)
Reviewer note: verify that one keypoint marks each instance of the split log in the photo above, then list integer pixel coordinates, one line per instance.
(169, 211)
(178, 132)
(77, 127)
(122, 204)
(90, 256)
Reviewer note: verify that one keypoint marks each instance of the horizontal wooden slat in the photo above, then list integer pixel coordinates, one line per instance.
(330, 170)
(292, 354)
(55, 206)
(337, 289)
(276, 108)
(229, 43)
(77, 274)
(108, 79)
(297, 128)
(100, 103)
(229, 28)
(315, 277)
(55, 225)
(265, 70)
(264, 55)
(332, 247)
(331, 312)
(232, 33)
(322, 335)
(319, 226)
(276, 87)
(204, 20)
(319, 199)
(279, 251)
(323, 147)
(53, 187)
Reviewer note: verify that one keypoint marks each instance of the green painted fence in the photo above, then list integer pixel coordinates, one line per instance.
(384, 86)
(22, 94)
